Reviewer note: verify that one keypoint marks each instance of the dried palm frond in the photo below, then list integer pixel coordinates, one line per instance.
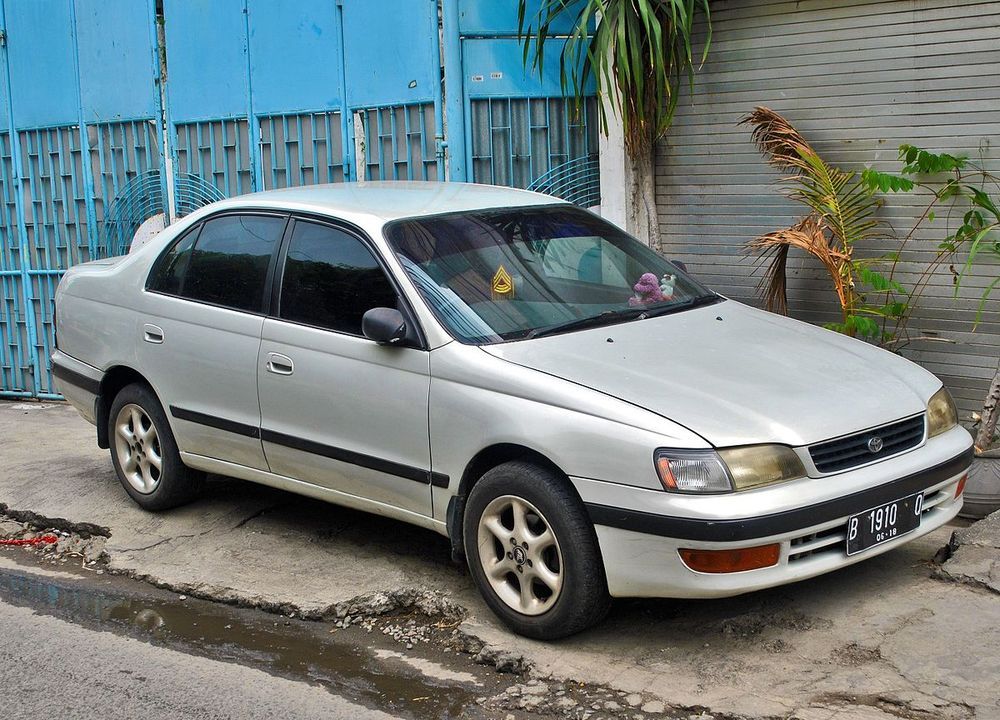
(841, 211)
(777, 140)
(811, 236)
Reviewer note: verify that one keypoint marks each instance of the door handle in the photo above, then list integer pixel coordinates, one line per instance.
(280, 364)
(152, 334)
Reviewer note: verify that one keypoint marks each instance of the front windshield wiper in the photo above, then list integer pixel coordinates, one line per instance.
(605, 318)
(612, 316)
(708, 299)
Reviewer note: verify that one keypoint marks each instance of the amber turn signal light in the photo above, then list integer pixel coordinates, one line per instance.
(729, 561)
(961, 486)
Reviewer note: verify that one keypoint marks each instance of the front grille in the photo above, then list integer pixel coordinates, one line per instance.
(848, 452)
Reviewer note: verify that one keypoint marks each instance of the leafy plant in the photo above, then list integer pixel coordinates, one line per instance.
(638, 52)
(841, 208)
(963, 187)
(955, 184)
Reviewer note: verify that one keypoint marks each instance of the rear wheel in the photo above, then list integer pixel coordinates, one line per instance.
(144, 453)
(533, 552)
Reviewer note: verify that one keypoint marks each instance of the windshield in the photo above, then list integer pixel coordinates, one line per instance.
(507, 274)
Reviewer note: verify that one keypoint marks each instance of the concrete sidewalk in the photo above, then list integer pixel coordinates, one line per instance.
(894, 637)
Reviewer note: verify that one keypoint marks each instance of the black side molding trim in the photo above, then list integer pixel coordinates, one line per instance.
(77, 379)
(425, 477)
(408, 472)
(777, 523)
(216, 422)
(440, 480)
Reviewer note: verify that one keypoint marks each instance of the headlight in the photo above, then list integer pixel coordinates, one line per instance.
(942, 414)
(692, 471)
(742, 468)
(757, 465)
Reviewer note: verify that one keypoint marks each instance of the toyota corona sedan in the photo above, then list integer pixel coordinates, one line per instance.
(580, 416)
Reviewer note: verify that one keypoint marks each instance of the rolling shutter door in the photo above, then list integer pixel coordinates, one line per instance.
(857, 78)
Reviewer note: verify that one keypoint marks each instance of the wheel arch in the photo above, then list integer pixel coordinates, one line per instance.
(484, 461)
(115, 378)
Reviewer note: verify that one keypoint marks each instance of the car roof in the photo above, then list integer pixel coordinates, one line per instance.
(386, 201)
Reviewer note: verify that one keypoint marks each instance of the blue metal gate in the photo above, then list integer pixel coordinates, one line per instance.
(111, 113)
(522, 131)
(281, 112)
(79, 120)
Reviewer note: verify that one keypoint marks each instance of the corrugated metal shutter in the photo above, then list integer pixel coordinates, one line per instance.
(857, 78)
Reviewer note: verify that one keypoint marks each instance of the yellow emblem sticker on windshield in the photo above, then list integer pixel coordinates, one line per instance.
(503, 284)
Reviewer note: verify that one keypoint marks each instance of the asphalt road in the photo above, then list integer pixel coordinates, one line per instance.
(55, 669)
(78, 644)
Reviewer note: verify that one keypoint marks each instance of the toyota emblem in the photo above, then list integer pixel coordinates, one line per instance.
(875, 445)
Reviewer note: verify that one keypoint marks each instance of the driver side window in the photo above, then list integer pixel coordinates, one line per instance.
(331, 279)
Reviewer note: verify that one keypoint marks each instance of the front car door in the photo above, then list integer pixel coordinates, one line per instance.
(338, 410)
(204, 310)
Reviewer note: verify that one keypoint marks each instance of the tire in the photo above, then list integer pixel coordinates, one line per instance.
(136, 454)
(524, 523)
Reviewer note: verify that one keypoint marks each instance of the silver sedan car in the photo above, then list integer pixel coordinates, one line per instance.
(582, 418)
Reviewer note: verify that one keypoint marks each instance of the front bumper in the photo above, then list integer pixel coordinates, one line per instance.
(640, 534)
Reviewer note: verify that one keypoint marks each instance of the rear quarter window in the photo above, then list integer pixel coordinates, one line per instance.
(223, 262)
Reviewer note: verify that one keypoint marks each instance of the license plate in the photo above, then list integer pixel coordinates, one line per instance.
(883, 523)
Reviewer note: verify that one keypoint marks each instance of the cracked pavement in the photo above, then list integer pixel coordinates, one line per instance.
(893, 637)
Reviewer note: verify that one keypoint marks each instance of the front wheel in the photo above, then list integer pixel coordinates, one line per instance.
(144, 453)
(533, 552)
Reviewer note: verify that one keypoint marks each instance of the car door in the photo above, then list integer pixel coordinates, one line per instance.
(200, 333)
(337, 409)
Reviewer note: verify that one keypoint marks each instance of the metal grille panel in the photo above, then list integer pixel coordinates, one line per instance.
(120, 155)
(851, 451)
(55, 198)
(217, 151)
(301, 149)
(399, 142)
(15, 362)
(515, 141)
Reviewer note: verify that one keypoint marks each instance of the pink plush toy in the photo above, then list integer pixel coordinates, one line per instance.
(647, 291)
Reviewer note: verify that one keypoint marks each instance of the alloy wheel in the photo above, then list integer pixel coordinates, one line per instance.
(138, 447)
(520, 555)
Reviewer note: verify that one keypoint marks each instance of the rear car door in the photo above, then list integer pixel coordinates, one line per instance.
(337, 409)
(201, 330)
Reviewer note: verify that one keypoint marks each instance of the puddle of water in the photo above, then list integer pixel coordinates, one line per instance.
(294, 649)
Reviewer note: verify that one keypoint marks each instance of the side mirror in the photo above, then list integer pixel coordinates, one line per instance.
(386, 326)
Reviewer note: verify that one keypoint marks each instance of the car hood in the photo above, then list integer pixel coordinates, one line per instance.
(736, 375)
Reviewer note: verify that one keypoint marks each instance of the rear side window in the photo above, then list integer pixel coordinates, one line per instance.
(331, 279)
(168, 273)
(224, 264)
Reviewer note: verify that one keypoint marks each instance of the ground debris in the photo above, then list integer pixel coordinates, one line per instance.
(888, 705)
(972, 557)
(86, 545)
(81, 529)
(580, 701)
(853, 655)
(429, 604)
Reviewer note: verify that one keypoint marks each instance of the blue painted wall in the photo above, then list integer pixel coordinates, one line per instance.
(40, 37)
(117, 60)
(391, 63)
